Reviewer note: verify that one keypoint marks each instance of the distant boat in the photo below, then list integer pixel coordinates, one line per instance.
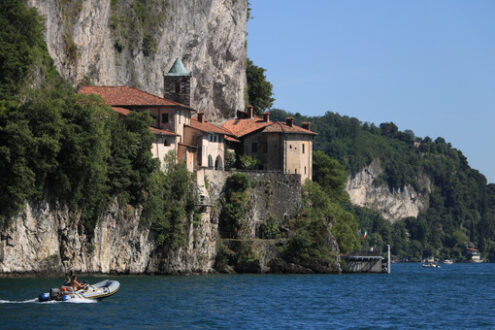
(430, 265)
(448, 262)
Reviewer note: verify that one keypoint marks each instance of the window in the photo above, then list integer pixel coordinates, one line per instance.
(177, 87)
(166, 143)
(164, 118)
(295, 171)
(303, 152)
(290, 146)
(254, 147)
(304, 167)
(215, 139)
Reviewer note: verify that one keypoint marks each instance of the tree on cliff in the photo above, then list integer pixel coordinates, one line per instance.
(259, 89)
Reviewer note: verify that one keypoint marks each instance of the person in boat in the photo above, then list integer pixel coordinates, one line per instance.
(76, 285)
(68, 281)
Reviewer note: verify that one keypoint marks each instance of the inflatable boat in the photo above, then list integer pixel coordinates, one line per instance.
(98, 291)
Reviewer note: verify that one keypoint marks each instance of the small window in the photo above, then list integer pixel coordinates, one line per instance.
(295, 171)
(164, 118)
(254, 147)
(177, 87)
(166, 143)
(303, 152)
(215, 139)
(210, 138)
(304, 167)
(290, 146)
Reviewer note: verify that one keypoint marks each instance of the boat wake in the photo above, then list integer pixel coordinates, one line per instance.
(29, 301)
(35, 301)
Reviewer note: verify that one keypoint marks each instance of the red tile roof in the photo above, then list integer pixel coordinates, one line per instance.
(245, 126)
(160, 131)
(241, 127)
(281, 127)
(122, 111)
(231, 139)
(128, 96)
(207, 127)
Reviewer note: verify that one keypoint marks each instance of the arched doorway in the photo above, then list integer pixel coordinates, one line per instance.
(219, 163)
(210, 161)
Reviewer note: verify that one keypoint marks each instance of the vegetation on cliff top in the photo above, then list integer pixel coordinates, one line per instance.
(459, 215)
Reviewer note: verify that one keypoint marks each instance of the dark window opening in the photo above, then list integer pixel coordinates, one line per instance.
(254, 147)
(177, 87)
(304, 169)
(166, 143)
(164, 118)
(303, 147)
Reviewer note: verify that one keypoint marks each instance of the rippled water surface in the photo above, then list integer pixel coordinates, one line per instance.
(454, 296)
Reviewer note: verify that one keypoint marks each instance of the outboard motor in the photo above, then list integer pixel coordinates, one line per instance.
(44, 297)
(54, 293)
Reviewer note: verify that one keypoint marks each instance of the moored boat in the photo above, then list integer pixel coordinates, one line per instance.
(448, 262)
(98, 291)
(431, 265)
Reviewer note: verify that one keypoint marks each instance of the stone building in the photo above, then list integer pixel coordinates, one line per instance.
(177, 84)
(278, 146)
(209, 140)
(169, 117)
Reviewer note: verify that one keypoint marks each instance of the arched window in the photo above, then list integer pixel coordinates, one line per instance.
(219, 163)
(210, 161)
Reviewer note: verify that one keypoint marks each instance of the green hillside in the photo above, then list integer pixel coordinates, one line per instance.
(461, 209)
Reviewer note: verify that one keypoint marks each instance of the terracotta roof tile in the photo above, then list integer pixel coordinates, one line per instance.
(244, 126)
(161, 131)
(128, 96)
(122, 111)
(207, 127)
(281, 127)
(231, 139)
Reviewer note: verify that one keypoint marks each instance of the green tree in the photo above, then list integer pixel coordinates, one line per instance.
(331, 176)
(259, 89)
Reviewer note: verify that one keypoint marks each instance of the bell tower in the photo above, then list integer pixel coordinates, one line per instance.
(177, 84)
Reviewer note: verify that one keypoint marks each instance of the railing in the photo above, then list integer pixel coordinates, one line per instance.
(363, 253)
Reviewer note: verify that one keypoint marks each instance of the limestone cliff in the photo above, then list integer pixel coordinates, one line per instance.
(132, 42)
(393, 205)
(47, 238)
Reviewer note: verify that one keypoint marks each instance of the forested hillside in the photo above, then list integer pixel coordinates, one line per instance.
(461, 210)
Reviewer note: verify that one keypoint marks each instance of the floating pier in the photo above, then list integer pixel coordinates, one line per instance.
(366, 262)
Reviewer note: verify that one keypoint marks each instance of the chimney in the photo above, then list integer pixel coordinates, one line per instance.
(266, 117)
(306, 125)
(201, 117)
(250, 111)
(289, 121)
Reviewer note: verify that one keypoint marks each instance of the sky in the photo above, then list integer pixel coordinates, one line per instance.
(428, 66)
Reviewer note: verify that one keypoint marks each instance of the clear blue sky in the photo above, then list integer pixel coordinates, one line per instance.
(428, 66)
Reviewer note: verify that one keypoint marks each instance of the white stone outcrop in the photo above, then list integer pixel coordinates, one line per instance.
(392, 205)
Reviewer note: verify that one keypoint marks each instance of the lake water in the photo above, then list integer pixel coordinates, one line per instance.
(454, 296)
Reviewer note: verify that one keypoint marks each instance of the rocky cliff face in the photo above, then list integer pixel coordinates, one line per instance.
(132, 42)
(393, 205)
(48, 238)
